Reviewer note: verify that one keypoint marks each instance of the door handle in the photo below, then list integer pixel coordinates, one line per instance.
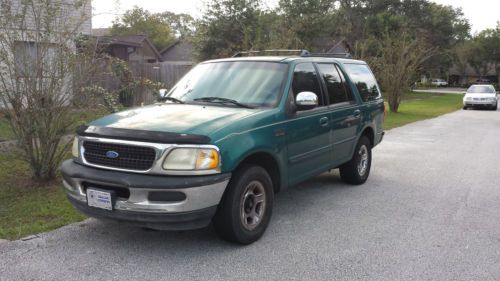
(323, 121)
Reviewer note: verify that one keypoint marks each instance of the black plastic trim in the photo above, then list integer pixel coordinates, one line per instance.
(141, 135)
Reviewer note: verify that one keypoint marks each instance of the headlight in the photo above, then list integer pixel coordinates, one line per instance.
(191, 159)
(74, 149)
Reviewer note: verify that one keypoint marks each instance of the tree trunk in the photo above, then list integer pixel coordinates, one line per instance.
(394, 100)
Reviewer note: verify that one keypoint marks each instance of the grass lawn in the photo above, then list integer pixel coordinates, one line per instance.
(420, 106)
(5, 131)
(26, 209)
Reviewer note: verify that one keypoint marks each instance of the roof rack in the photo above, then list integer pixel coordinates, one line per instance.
(272, 52)
(330, 55)
(300, 53)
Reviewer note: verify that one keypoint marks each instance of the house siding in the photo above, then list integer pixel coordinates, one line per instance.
(70, 16)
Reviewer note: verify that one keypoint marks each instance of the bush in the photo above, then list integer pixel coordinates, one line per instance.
(41, 53)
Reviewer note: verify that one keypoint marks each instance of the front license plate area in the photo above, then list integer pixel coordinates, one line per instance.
(101, 199)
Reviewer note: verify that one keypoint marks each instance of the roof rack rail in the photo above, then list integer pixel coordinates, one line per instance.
(301, 53)
(330, 55)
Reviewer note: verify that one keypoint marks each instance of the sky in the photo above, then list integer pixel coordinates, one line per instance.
(482, 14)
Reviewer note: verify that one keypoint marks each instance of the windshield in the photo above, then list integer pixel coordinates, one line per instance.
(256, 84)
(481, 89)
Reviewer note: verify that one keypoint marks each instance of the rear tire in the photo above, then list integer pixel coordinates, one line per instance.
(465, 107)
(246, 207)
(357, 170)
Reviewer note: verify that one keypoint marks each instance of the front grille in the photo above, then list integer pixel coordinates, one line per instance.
(127, 156)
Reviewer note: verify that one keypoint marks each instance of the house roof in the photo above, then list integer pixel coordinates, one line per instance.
(129, 40)
(178, 51)
(327, 44)
(340, 47)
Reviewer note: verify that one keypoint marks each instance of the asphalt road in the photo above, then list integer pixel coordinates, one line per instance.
(430, 211)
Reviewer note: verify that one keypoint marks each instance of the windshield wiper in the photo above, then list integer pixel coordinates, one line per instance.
(223, 100)
(171, 99)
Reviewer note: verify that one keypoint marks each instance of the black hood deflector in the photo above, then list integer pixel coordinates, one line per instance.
(141, 135)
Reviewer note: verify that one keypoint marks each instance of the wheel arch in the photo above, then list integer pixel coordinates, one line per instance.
(369, 133)
(267, 161)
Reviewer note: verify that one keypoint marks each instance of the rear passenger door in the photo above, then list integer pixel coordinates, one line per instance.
(345, 114)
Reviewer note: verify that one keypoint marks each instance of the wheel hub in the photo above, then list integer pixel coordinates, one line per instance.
(363, 160)
(253, 205)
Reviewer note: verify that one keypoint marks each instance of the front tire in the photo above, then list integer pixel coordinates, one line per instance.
(246, 207)
(357, 170)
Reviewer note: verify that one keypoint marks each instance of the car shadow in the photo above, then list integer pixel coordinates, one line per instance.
(295, 201)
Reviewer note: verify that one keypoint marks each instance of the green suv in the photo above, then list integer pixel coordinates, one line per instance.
(224, 140)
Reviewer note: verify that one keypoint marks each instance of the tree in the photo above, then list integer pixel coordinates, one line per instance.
(182, 25)
(226, 27)
(139, 21)
(395, 59)
(488, 42)
(41, 51)
(440, 26)
(460, 55)
(307, 21)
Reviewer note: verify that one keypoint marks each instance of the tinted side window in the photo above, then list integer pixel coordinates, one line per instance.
(305, 79)
(364, 80)
(335, 84)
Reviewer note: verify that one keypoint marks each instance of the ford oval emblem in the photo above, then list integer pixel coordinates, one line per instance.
(112, 154)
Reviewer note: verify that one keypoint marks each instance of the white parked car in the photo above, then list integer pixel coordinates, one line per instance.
(439, 82)
(481, 96)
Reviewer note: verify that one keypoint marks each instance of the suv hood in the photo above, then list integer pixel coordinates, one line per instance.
(176, 118)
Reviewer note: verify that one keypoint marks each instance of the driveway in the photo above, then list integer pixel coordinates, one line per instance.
(430, 211)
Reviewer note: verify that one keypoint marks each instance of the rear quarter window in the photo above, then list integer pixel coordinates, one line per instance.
(365, 82)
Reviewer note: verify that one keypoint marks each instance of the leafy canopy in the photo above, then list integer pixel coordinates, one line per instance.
(139, 21)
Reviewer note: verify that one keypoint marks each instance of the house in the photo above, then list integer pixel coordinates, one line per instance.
(327, 45)
(469, 75)
(179, 52)
(38, 37)
(80, 18)
(130, 48)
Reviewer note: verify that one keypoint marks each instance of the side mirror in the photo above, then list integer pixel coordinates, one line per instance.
(306, 100)
(162, 93)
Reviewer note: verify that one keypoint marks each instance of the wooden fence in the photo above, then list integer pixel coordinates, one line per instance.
(168, 73)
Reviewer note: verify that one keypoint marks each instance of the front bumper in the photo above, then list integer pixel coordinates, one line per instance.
(480, 103)
(134, 204)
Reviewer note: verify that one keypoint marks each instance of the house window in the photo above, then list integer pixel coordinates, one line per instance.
(35, 59)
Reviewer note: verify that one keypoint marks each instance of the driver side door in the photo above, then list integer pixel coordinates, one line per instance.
(308, 131)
